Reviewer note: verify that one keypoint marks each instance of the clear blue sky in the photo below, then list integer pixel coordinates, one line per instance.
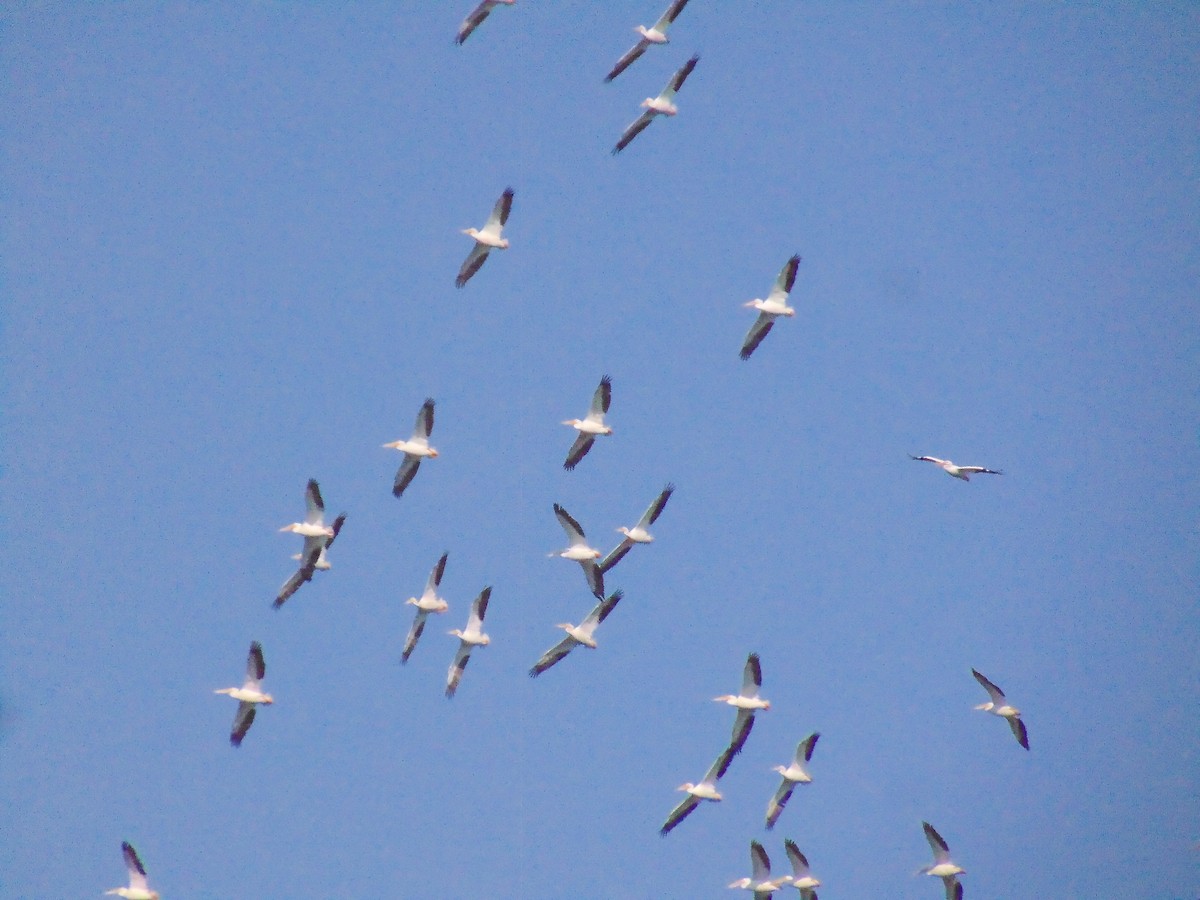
(230, 242)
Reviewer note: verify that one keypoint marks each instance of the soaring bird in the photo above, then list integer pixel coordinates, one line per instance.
(577, 634)
(639, 533)
(793, 774)
(999, 706)
(591, 425)
(475, 19)
(578, 550)
(428, 602)
(249, 695)
(963, 472)
(656, 34)
(468, 639)
(747, 702)
(414, 449)
(315, 559)
(760, 880)
(139, 887)
(487, 238)
(662, 105)
(801, 878)
(705, 790)
(772, 308)
(942, 866)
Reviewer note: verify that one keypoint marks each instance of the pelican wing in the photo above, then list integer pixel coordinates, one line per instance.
(606, 606)
(954, 888)
(337, 527)
(979, 470)
(299, 577)
(256, 668)
(473, 21)
(241, 723)
(476, 258)
(578, 450)
(627, 60)
(414, 635)
(569, 525)
(133, 864)
(601, 399)
(804, 750)
(787, 277)
(1019, 732)
(679, 78)
(553, 655)
(435, 576)
(760, 863)
(595, 578)
(932, 459)
(669, 16)
(752, 676)
(762, 325)
(941, 851)
(454, 676)
(478, 610)
(800, 867)
(719, 767)
(782, 795)
(635, 128)
(424, 423)
(678, 814)
(617, 554)
(994, 692)
(499, 217)
(742, 725)
(315, 505)
(405, 474)
(655, 510)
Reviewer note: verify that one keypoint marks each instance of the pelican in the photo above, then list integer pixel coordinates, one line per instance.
(793, 774)
(656, 34)
(772, 308)
(475, 19)
(579, 551)
(942, 867)
(999, 706)
(139, 887)
(662, 105)
(313, 529)
(468, 639)
(577, 634)
(414, 449)
(705, 790)
(801, 878)
(428, 602)
(639, 533)
(487, 239)
(963, 472)
(249, 695)
(747, 702)
(760, 880)
(315, 559)
(591, 425)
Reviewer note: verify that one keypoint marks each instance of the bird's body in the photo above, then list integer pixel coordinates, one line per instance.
(796, 772)
(139, 886)
(591, 425)
(747, 702)
(801, 878)
(943, 867)
(639, 533)
(759, 881)
(312, 557)
(999, 706)
(313, 529)
(468, 639)
(662, 105)
(250, 695)
(428, 602)
(489, 238)
(415, 449)
(655, 34)
(705, 790)
(774, 306)
(962, 472)
(577, 634)
(475, 18)
(579, 551)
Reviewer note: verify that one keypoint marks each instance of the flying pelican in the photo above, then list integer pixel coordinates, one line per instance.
(705, 790)
(793, 774)
(656, 34)
(428, 602)
(414, 449)
(313, 528)
(747, 702)
(963, 472)
(942, 867)
(487, 239)
(468, 639)
(577, 634)
(662, 105)
(315, 559)
(760, 880)
(801, 878)
(591, 425)
(475, 19)
(139, 887)
(579, 551)
(999, 706)
(639, 533)
(770, 309)
(249, 695)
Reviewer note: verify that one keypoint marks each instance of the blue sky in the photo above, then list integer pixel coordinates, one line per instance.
(229, 253)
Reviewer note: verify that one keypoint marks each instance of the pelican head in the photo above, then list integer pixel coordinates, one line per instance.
(471, 232)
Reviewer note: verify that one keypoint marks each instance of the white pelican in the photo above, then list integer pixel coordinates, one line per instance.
(313, 528)
(577, 634)
(315, 559)
(999, 706)
(468, 639)
(578, 550)
(760, 880)
(963, 472)
(591, 425)
(942, 867)
(793, 774)
(639, 533)
(801, 878)
(662, 105)
(487, 239)
(414, 449)
(475, 19)
(705, 790)
(656, 34)
(747, 702)
(772, 308)
(249, 695)
(428, 602)
(139, 887)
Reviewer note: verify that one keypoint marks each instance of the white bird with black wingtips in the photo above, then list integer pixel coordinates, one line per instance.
(662, 105)
(577, 634)
(591, 425)
(415, 449)
(475, 18)
(249, 695)
(999, 706)
(962, 472)
(468, 639)
(487, 239)
(655, 34)
(428, 602)
(759, 880)
(747, 702)
(705, 790)
(793, 774)
(943, 867)
(139, 886)
(579, 551)
(801, 878)
(639, 533)
(772, 308)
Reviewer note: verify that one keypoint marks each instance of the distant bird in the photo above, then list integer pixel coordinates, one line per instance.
(591, 425)
(999, 706)
(793, 774)
(139, 887)
(963, 472)
(760, 880)
(942, 867)
(705, 790)
(475, 19)
(487, 239)
(249, 695)
(801, 878)
(747, 703)
(578, 550)
(662, 105)
(313, 529)
(314, 560)
(639, 533)
(577, 634)
(428, 602)
(414, 449)
(773, 307)
(656, 34)
(468, 639)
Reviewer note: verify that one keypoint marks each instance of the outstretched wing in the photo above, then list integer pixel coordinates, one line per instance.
(405, 474)
(741, 730)
(454, 676)
(578, 450)
(679, 77)
(754, 337)
(994, 692)
(601, 398)
(133, 864)
(782, 795)
(655, 509)
(1019, 732)
(301, 575)
(941, 850)
(787, 278)
(424, 424)
(569, 525)
(241, 723)
(313, 502)
(553, 655)
(414, 635)
(678, 814)
(499, 217)
(617, 554)
(473, 21)
(627, 60)
(635, 128)
(669, 16)
(475, 259)
(595, 578)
